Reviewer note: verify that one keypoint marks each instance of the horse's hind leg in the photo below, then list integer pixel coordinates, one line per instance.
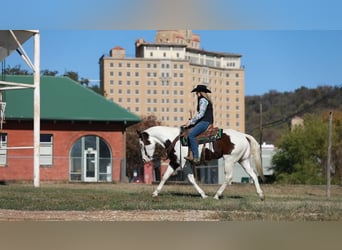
(228, 170)
(169, 171)
(247, 166)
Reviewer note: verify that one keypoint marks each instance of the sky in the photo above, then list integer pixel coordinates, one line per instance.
(284, 46)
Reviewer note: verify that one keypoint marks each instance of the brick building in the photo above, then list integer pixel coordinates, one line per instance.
(82, 135)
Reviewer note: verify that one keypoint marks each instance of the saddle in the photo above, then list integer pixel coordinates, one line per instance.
(210, 135)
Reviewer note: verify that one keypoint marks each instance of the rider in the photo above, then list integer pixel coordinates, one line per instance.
(200, 122)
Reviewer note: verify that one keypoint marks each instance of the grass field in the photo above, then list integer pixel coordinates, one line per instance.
(239, 202)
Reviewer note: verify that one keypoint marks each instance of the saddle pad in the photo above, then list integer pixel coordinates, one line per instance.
(209, 135)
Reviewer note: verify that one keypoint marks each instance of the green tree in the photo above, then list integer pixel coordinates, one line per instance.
(47, 72)
(72, 75)
(302, 153)
(16, 70)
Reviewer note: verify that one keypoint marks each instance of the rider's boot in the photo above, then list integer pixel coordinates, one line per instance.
(190, 156)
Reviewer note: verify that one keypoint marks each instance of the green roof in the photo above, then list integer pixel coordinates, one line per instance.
(63, 99)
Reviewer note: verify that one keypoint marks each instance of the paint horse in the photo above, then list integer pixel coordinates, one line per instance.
(233, 146)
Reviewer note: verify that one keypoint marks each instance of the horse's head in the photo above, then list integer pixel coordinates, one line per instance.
(147, 146)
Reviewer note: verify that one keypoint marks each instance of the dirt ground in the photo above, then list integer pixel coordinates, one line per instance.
(156, 215)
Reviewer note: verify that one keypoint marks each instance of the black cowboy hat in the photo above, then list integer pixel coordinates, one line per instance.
(201, 88)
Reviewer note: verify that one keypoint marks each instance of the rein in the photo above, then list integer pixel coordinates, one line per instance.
(171, 146)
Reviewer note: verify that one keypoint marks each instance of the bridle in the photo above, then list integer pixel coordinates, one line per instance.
(145, 141)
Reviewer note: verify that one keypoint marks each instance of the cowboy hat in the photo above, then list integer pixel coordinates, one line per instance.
(201, 88)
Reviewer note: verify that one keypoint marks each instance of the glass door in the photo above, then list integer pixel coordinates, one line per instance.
(90, 165)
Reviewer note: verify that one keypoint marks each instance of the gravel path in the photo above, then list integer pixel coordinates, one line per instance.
(140, 215)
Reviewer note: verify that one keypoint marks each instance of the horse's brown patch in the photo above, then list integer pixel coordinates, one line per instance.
(226, 144)
(171, 154)
(223, 146)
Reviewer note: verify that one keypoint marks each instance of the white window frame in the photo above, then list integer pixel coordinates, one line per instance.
(3, 149)
(46, 149)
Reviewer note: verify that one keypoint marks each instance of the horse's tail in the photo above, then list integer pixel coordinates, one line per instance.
(255, 153)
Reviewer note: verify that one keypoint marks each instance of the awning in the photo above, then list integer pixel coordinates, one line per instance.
(8, 43)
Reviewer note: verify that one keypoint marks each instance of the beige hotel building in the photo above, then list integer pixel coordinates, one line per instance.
(159, 79)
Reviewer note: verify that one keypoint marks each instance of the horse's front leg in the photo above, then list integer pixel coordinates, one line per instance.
(191, 178)
(169, 171)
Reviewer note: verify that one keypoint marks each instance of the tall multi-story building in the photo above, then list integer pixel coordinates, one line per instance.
(159, 79)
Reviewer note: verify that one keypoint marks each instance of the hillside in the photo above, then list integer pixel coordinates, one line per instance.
(278, 109)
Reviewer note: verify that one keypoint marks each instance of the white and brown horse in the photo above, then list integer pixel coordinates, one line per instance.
(234, 147)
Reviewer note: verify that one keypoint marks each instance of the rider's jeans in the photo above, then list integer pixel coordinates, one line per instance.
(195, 131)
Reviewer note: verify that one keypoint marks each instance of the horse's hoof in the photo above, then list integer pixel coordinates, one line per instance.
(216, 197)
(154, 194)
(204, 196)
(262, 197)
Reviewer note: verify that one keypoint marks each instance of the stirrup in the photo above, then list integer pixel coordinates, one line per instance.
(188, 158)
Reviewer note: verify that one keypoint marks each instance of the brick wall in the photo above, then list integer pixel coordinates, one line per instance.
(19, 165)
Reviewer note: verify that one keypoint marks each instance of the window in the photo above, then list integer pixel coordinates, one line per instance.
(3, 150)
(46, 149)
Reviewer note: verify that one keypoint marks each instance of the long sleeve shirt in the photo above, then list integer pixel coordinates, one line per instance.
(203, 104)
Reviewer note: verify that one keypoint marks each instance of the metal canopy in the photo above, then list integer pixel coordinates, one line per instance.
(8, 43)
(11, 40)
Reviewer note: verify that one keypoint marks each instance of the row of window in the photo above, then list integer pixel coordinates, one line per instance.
(177, 66)
(148, 65)
(148, 92)
(149, 74)
(161, 92)
(165, 109)
(162, 74)
(165, 55)
(46, 149)
(163, 83)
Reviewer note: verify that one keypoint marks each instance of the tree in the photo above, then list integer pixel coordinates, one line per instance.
(72, 75)
(84, 81)
(97, 89)
(302, 153)
(47, 72)
(16, 70)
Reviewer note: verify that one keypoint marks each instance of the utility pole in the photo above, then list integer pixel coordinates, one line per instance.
(329, 155)
(260, 128)
(260, 124)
